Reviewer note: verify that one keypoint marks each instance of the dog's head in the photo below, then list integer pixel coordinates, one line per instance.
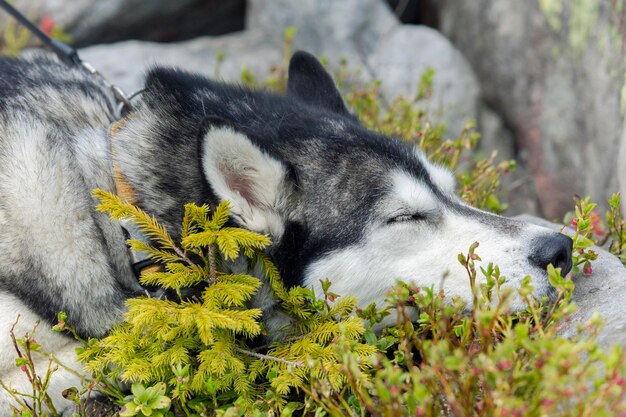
(339, 201)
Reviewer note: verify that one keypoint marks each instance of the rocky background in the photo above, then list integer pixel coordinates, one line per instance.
(544, 79)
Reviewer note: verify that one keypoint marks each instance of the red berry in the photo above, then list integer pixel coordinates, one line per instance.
(574, 222)
(504, 365)
(411, 299)
(587, 269)
(24, 368)
(46, 25)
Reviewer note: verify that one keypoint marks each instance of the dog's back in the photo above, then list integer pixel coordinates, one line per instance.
(58, 253)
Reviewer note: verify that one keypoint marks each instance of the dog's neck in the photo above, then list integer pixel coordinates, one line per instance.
(123, 188)
(264, 300)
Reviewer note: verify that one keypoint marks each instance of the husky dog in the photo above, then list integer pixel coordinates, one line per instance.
(338, 200)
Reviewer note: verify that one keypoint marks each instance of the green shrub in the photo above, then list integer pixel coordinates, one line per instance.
(489, 362)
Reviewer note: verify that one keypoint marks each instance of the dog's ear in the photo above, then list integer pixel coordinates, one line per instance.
(309, 81)
(253, 181)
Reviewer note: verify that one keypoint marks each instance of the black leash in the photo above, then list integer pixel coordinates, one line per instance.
(66, 53)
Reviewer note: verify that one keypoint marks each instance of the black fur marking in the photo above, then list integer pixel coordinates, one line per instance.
(338, 169)
(309, 81)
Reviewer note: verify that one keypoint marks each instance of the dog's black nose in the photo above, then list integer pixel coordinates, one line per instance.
(555, 249)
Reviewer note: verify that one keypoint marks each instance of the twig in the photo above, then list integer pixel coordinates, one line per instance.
(269, 357)
(183, 255)
(212, 264)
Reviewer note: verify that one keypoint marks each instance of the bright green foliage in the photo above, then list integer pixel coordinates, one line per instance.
(437, 361)
(147, 402)
(487, 363)
(591, 230)
(199, 346)
(617, 229)
(584, 221)
(37, 402)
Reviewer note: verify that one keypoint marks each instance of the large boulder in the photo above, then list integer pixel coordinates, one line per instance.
(406, 52)
(328, 27)
(125, 63)
(367, 33)
(559, 91)
(90, 22)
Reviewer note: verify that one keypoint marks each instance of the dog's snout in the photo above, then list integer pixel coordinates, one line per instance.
(555, 249)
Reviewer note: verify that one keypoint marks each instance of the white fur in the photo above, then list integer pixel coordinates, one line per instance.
(411, 195)
(440, 176)
(49, 221)
(253, 181)
(423, 252)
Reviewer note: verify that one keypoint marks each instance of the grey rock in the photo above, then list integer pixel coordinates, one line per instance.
(518, 187)
(328, 27)
(494, 135)
(563, 105)
(404, 54)
(604, 291)
(126, 63)
(621, 163)
(89, 21)
(368, 35)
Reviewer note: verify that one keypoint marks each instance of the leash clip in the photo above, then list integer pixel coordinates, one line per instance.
(122, 101)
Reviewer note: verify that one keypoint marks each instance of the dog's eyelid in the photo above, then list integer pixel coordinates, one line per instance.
(407, 216)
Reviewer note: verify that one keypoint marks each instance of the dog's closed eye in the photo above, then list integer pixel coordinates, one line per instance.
(406, 217)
